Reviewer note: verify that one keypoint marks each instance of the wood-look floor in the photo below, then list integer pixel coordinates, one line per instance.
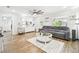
(19, 44)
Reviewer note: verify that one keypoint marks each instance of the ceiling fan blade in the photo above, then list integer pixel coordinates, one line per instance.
(39, 11)
(35, 11)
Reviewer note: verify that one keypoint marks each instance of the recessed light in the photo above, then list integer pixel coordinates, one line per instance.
(64, 6)
(13, 10)
(8, 6)
(23, 14)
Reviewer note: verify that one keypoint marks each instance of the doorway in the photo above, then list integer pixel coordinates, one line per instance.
(6, 31)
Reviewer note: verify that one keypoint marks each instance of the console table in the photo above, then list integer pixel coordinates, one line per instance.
(21, 30)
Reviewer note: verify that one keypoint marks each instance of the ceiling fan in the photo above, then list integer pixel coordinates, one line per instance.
(35, 11)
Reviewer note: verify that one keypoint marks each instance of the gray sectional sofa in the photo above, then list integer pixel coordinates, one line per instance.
(59, 32)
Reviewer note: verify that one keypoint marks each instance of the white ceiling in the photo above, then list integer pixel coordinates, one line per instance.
(46, 9)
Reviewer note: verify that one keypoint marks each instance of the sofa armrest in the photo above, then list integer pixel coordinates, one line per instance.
(67, 35)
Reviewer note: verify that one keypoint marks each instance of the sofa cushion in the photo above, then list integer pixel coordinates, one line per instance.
(47, 27)
(54, 27)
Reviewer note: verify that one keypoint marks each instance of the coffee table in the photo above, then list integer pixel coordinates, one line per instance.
(44, 38)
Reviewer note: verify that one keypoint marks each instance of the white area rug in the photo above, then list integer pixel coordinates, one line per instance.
(52, 47)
